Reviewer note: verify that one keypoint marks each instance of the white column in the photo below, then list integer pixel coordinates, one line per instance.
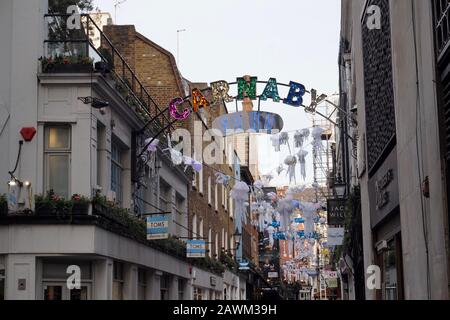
(130, 288)
(103, 279)
(173, 288)
(155, 285)
(20, 269)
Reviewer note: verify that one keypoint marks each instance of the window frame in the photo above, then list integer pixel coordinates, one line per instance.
(57, 152)
(115, 145)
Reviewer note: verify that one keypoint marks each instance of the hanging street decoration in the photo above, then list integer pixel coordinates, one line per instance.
(247, 89)
(196, 249)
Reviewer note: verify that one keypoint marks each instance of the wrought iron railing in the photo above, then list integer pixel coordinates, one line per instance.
(63, 40)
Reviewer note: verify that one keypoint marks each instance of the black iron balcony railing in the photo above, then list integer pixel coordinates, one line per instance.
(88, 40)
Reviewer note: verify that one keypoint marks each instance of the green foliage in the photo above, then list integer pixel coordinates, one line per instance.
(48, 63)
(228, 261)
(60, 6)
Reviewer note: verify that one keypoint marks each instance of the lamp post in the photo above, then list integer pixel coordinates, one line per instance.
(340, 188)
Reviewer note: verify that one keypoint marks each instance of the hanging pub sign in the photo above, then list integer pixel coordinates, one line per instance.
(196, 249)
(336, 212)
(158, 227)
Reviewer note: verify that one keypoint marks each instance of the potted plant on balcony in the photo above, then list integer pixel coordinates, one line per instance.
(106, 64)
(51, 204)
(66, 64)
(99, 204)
(80, 205)
(43, 205)
(3, 206)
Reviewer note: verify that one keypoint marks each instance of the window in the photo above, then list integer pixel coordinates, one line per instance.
(57, 159)
(118, 281)
(210, 243)
(200, 229)
(165, 196)
(226, 241)
(223, 238)
(223, 196)
(180, 289)
(216, 196)
(142, 284)
(194, 227)
(209, 191)
(194, 180)
(54, 281)
(2, 282)
(200, 181)
(225, 200)
(116, 171)
(165, 287)
(217, 245)
(231, 208)
(198, 294)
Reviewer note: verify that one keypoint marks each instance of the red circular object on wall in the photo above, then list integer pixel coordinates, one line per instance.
(28, 133)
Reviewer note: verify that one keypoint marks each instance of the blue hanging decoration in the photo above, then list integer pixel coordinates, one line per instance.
(271, 91)
(276, 224)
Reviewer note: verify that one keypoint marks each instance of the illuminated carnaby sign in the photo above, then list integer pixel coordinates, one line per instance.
(246, 89)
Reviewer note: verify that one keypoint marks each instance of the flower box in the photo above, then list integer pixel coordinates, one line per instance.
(45, 209)
(68, 68)
(80, 209)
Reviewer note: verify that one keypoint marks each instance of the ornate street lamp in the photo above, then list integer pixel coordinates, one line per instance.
(340, 188)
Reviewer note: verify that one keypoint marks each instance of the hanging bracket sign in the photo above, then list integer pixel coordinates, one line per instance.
(158, 227)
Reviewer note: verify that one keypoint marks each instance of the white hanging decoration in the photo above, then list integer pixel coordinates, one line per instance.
(222, 179)
(280, 169)
(177, 156)
(309, 210)
(276, 142)
(317, 133)
(153, 146)
(284, 138)
(271, 230)
(239, 194)
(189, 162)
(300, 137)
(302, 160)
(291, 162)
(297, 189)
(268, 178)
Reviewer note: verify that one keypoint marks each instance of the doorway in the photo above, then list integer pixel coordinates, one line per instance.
(58, 291)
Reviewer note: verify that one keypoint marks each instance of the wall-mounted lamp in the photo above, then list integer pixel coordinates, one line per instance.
(96, 103)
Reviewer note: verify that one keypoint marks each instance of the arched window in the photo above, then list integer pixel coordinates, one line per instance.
(217, 245)
(194, 227)
(200, 229)
(210, 253)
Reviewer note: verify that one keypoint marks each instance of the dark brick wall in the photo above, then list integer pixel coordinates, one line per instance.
(378, 82)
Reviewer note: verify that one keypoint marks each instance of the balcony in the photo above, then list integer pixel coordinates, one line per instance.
(87, 50)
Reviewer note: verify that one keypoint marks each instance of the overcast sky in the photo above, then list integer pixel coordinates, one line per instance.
(294, 40)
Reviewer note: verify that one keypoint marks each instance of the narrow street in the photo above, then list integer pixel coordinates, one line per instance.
(236, 151)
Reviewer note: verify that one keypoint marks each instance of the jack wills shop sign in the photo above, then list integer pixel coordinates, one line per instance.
(383, 190)
(336, 211)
